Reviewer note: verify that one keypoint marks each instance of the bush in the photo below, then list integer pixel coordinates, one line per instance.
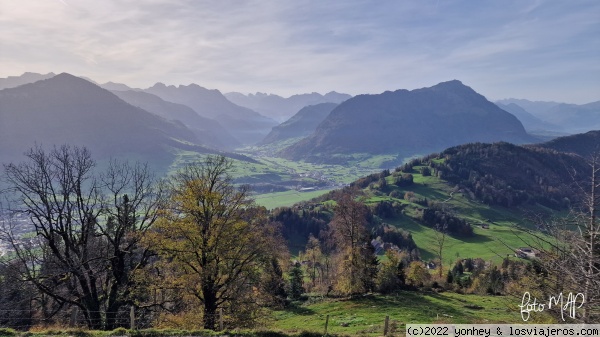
(395, 194)
(81, 333)
(7, 332)
(154, 333)
(270, 334)
(119, 332)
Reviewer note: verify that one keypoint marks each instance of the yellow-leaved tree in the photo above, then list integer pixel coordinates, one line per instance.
(214, 243)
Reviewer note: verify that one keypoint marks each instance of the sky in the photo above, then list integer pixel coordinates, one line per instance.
(532, 49)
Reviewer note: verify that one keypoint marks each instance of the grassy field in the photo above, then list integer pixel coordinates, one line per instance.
(287, 198)
(366, 315)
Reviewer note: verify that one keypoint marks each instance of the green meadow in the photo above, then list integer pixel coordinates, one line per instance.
(503, 231)
(365, 315)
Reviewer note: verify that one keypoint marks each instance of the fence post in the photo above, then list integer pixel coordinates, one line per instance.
(132, 317)
(73, 321)
(386, 325)
(221, 318)
(326, 323)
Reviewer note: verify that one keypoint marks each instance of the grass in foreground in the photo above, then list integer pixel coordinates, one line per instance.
(360, 316)
(366, 315)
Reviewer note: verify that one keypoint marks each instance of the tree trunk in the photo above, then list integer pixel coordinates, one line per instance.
(592, 232)
(112, 311)
(210, 308)
(93, 318)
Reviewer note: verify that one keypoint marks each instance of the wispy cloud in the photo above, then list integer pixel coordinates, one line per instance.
(513, 48)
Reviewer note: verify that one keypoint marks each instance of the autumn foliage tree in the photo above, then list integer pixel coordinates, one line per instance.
(215, 240)
(357, 263)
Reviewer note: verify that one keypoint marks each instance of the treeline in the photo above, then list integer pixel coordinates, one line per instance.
(437, 217)
(509, 175)
(304, 219)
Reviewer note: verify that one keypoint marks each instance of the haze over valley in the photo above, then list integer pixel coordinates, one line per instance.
(170, 125)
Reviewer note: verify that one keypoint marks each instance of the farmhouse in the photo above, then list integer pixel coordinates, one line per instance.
(526, 253)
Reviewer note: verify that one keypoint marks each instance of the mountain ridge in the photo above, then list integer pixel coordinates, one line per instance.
(571, 118)
(246, 125)
(530, 122)
(585, 145)
(25, 78)
(409, 122)
(208, 131)
(66, 109)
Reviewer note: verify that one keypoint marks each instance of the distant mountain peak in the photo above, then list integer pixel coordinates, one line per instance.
(113, 86)
(25, 78)
(452, 82)
(68, 76)
(451, 85)
(28, 73)
(160, 85)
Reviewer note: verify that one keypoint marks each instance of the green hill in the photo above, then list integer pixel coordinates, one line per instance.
(480, 191)
(583, 144)
(484, 193)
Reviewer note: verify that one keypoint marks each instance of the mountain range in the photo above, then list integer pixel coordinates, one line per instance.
(65, 109)
(208, 131)
(15, 81)
(279, 108)
(246, 125)
(232, 124)
(530, 122)
(155, 123)
(408, 123)
(563, 117)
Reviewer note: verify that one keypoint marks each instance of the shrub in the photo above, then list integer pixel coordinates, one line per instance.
(81, 333)
(7, 332)
(395, 194)
(270, 334)
(119, 332)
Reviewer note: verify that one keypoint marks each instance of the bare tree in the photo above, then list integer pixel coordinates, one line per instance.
(569, 249)
(582, 245)
(87, 229)
(440, 233)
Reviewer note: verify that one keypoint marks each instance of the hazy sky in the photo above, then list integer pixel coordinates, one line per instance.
(540, 50)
